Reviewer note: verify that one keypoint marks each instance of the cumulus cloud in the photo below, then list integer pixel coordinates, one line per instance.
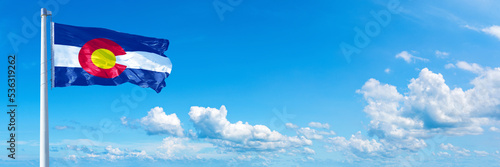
(431, 107)
(387, 70)
(171, 145)
(157, 122)
(212, 124)
(291, 126)
(114, 151)
(406, 56)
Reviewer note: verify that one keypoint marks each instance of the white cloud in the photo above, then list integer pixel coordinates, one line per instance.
(172, 145)
(157, 122)
(475, 68)
(92, 155)
(357, 145)
(63, 127)
(141, 155)
(313, 134)
(170, 148)
(448, 146)
(72, 158)
(212, 124)
(443, 154)
(180, 147)
(431, 107)
(457, 150)
(494, 129)
(77, 148)
(387, 70)
(409, 57)
(493, 30)
(481, 153)
(325, 133)
(308, 150)
(305, 150)
(192, 134)
(114, 151)
(124, 120)
(319, 125)
(449, 65)
(113, 154)
(471, 27)
(291, 126)
(441, 54)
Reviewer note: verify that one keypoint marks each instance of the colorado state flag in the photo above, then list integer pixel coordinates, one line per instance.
(95, 56)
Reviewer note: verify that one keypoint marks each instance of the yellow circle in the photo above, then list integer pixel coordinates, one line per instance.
(103, 58)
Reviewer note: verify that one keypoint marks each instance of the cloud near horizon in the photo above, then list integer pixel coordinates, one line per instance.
(212, 124)
(400, 122)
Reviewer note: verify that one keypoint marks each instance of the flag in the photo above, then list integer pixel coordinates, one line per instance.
(84, 56)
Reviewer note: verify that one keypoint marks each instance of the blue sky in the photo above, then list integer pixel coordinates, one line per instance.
(422, 91)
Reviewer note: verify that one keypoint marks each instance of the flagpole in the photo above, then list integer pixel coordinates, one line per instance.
(44, 120)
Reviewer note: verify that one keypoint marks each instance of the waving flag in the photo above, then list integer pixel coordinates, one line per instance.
(95, 56)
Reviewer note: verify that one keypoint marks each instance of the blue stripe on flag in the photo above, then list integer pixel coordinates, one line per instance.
(78, 36)
(69, 76)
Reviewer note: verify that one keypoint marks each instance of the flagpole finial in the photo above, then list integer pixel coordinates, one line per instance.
(45, 12)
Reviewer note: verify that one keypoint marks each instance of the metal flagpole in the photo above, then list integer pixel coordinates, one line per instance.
(44, 120)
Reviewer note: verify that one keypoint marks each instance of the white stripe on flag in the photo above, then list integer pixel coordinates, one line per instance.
(67, 56)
